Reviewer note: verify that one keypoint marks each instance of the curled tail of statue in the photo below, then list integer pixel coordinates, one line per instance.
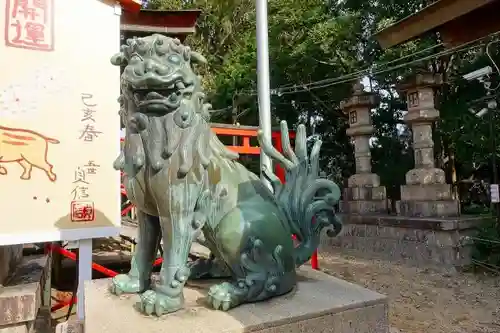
(307, 200)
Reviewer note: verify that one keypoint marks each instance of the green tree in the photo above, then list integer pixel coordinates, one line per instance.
(319, 40)
(309, 41)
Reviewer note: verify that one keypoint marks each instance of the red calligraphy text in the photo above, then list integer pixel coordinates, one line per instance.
(82, 211)
(29, 24)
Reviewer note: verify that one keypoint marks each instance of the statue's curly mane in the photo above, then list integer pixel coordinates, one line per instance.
(166, 144)
(180, 138)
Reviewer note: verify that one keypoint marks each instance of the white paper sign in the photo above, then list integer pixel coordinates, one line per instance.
(59, 129)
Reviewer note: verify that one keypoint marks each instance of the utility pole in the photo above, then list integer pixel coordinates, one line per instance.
(264, 90)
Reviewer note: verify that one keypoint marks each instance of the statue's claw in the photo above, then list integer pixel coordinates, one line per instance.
(223, 296)
(124, 284)
(154, 303)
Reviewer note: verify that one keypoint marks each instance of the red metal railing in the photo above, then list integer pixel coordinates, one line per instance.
(71, 255)
(99, 268)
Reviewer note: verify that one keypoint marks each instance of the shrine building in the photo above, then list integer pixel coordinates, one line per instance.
(173, 23)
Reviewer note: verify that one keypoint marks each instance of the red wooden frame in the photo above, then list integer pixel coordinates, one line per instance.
(173, 19)
(131, 5)
(248, 132)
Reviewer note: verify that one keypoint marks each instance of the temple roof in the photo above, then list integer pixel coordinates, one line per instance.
(178, 22)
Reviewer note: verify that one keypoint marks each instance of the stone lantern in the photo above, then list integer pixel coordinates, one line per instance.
(426, 193)
(364, 193)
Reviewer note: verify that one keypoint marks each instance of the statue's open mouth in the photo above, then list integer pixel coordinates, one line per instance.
(146, 96)
(160, 99)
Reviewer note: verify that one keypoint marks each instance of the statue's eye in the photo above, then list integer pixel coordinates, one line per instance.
(174, 59)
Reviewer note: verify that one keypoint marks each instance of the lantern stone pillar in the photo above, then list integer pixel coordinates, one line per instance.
(363, 193)
(426, 193)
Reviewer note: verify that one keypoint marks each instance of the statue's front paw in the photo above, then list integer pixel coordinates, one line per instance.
(154, 303)
(223, 296)
(124, 284)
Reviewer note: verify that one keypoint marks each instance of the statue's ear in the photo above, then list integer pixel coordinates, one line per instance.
(197, 58)
(119, 59)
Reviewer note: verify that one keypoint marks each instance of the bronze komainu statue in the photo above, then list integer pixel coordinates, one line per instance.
(189, 187)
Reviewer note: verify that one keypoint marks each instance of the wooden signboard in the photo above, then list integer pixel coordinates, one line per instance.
(59, 124)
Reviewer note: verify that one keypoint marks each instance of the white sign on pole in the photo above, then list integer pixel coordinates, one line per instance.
(495, 195)
(59, 123)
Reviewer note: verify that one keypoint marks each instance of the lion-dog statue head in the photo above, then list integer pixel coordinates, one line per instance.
(163, 102)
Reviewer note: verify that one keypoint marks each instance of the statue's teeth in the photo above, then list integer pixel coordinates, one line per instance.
(153, 95)
(180, 85)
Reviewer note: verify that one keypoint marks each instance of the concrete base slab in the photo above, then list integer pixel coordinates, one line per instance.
(22, 299)
(75, 326)
(319, 304)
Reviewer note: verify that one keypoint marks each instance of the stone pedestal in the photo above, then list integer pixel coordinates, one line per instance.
(10, 257)
(440, 243)
(364, 193)
(24, 300)
(320, 304)
(426, 193)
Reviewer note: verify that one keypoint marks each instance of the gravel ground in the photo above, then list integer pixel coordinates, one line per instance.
(423, 300)
(420, 300)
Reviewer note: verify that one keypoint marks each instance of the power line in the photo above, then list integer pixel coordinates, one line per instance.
(361, 71)
(369, 69)
(217, 112)
(399, 59)
(349, 78)
(298, 88)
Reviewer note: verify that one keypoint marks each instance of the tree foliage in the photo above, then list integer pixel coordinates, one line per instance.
(318, 40)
